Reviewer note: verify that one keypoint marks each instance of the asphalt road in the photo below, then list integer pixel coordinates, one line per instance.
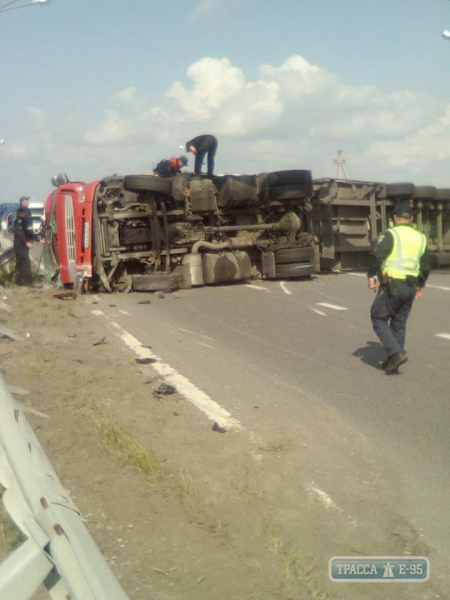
(280, 346)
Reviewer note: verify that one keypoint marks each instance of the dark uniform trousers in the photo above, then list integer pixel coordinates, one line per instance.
(390, 311)
(23, 265)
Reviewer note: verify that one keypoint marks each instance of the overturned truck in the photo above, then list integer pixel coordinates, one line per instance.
(143, 232)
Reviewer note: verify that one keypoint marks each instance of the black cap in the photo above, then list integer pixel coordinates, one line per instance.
(404, 210)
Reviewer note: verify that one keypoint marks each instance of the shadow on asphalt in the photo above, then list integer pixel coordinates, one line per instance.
(371, 354)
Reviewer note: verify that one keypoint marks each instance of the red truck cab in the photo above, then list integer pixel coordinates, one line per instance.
(68, 232)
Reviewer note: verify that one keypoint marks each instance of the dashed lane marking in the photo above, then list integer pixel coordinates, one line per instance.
(284, 288)
(435, 287)
(319, 312)
(206, 337)
(446, 336)
(439, 287)
(191, 392)
(332, 306)
(257, 287)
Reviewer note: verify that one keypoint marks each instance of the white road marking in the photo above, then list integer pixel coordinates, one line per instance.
(332, 306)
(124, 312)
(446, 336)
(438, 287)
(206, 337)
(319, 312)
(191, 392)
(324, 498)
(256, 287)
(205, 345)
(284, 288)
(435, 287)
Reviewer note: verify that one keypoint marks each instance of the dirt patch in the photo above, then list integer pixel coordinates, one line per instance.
(184, 512)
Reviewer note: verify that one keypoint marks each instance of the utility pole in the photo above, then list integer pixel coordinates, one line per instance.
(340, 162)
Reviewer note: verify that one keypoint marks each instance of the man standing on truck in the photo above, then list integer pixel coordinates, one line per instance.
(400, 257)
(168, 168)
(201, 146)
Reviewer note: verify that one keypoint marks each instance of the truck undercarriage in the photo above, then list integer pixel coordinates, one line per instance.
(151, 233)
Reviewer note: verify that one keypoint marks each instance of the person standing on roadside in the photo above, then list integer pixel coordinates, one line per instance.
(401, 260)
(24, 203)
(22, 244)
(201, 146)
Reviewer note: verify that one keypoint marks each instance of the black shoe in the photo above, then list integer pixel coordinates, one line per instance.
(383, 363)
(395, 361)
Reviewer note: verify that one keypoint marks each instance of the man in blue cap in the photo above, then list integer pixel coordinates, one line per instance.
(170, 167)
(401, 260)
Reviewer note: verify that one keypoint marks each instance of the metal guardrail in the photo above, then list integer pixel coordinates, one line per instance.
(59, 552)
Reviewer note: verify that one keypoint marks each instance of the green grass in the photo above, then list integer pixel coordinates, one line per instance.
(130, 449)
(9, 532)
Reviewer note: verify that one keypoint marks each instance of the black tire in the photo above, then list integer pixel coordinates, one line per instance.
(286, 192)
(294, 255)
(425, 191)
(400, 189)
(292, 177)
(148, 183)
(305, 269)
(442, 194)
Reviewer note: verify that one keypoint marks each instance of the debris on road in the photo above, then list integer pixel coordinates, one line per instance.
(218, 428)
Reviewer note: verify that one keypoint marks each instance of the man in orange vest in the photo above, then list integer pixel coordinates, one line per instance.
(170, 167)
(400, 258)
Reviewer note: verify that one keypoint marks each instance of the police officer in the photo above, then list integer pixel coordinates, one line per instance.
(401, 260)
(201, 146)
(24, 203)
(22, 244)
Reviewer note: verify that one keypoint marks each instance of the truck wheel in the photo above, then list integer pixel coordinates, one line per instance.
(293, 255)
(292, 177)
(294, 270)
(148, 183)
(400, 189)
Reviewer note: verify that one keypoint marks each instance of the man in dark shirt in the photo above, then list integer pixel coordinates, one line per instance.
(24, 203)
(22, 244)
(400, 259)
(201, 146)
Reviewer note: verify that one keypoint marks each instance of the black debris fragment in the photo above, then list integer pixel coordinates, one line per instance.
(165, 390)
(101, 342)
(218, 428)
(145, 302)
(145, 361)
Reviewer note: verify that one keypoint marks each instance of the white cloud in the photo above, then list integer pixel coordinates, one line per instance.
(205, 7)
(295, 115)
(127, 95)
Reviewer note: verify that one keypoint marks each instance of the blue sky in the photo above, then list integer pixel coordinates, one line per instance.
(96, 87)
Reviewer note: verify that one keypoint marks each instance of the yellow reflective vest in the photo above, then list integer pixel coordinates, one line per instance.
(404, 260)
